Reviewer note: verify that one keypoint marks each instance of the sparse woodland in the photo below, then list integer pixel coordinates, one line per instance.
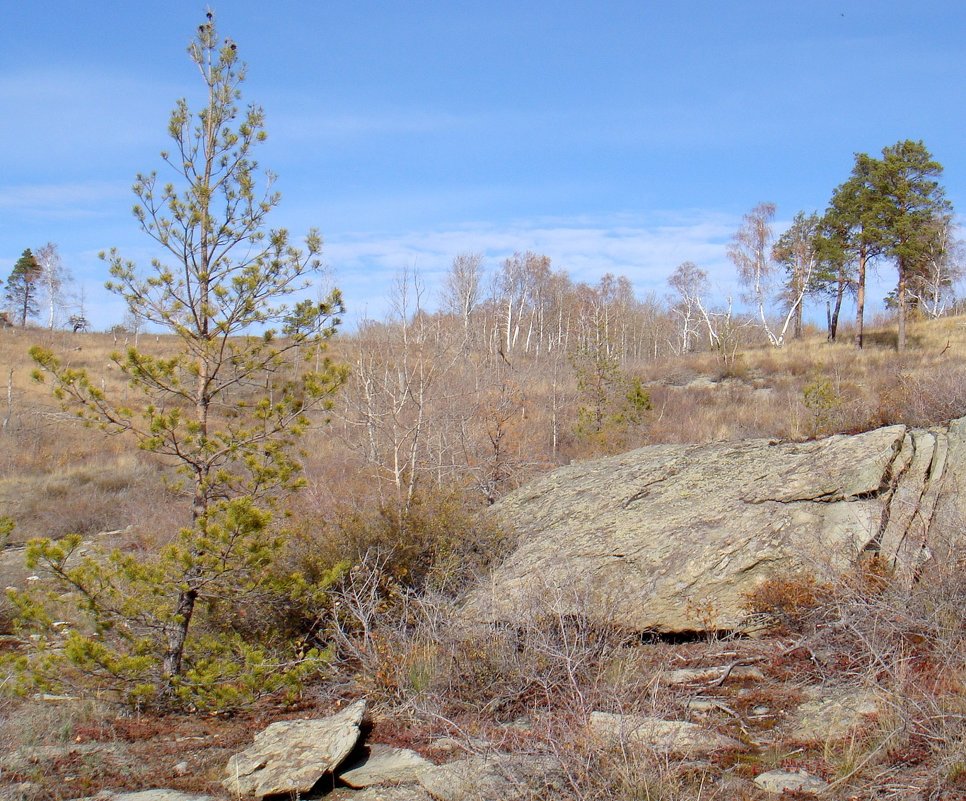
(232, 512)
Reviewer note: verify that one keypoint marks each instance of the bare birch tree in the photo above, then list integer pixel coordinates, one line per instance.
(751, 253)
(462, 287)
(397, 388)
(933, 288)
(795, 251)
(54, 275)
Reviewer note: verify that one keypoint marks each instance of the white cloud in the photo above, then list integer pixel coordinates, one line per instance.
(294, 123)
(78, 116)
(64, 200)
(646, 250)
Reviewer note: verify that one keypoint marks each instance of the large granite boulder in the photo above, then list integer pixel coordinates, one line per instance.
(670, 538)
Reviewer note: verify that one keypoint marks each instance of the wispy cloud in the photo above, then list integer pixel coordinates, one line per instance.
(64, 201)
(646, 250)
(297, 125)
(76, 116)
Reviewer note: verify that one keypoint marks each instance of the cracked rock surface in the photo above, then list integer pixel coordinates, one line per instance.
(670, 538)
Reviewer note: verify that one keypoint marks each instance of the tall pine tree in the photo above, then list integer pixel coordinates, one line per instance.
(852, 225)
(23, 285)
(222, 404)
(911, 200)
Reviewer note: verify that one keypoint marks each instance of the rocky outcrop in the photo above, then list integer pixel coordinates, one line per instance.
(291, 757)
(670, 538)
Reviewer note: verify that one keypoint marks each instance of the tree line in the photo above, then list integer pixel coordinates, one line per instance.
(891, 209)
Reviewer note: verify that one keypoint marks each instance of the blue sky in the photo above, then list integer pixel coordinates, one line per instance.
(612, 136)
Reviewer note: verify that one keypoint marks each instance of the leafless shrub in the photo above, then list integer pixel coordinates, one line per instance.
(903, 638)
(423, 650)
(922, 399)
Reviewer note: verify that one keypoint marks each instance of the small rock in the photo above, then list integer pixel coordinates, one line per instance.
(289, 757)
(181, 769)
(385, 765)
(411, 792)
(663, 736)
(495, 777)
(52, 698)
(469, 744)
(778, 781)
(694, 766)
(149, 795)
(701, 704)
(705, 675)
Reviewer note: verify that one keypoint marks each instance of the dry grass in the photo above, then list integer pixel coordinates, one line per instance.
(813, 388)
(56, 750)
(808, 388)
(531, 687)
(84, 499)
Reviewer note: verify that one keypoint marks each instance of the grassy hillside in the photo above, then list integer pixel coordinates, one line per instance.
(397, 480)
(808, 388)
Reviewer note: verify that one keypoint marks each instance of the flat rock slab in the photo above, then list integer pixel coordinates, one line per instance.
(671, 538)
(663, 736)
(778, 781)
(289, 757)
(412, 792)
(706, 675)
(495, 777)
(833, 715)
(385, 765)
(148, 795)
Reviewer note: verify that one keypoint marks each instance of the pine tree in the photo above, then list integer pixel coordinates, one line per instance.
(911, 201)
(23, 286)
(852, 225)
(224, 405)
(888, 208)
(834, 275)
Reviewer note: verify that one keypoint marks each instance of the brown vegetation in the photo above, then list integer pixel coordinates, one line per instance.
(430, 428)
